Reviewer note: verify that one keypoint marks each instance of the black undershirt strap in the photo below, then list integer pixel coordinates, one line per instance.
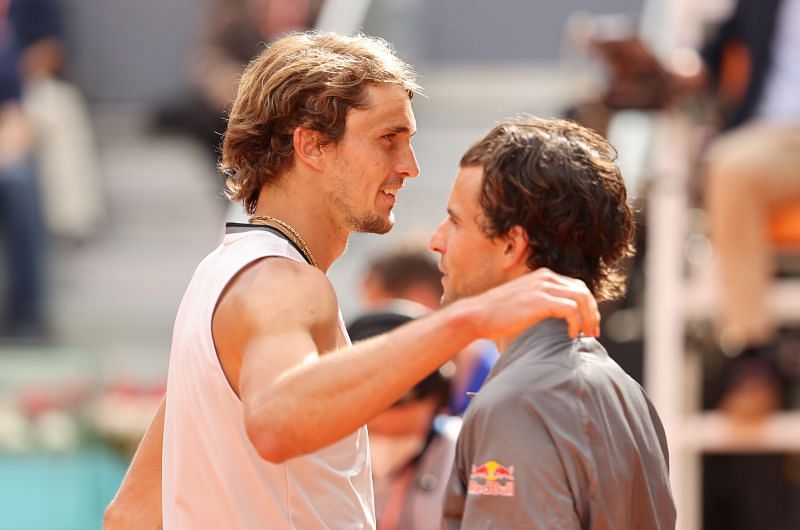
(269, 229)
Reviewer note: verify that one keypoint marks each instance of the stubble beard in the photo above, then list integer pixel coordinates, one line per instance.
(449, 298)
(372, 224)
(450, 295)
(369, 223)
(472, 287)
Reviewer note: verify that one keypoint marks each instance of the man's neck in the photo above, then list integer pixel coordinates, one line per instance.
(503, 343)
(310, 216)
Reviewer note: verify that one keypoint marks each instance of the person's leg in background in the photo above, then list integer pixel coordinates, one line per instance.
(23, 240)
(751, 172)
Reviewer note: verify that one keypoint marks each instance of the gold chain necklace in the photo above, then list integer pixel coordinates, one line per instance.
(284, 228)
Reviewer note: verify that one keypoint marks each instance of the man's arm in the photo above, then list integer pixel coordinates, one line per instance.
(297, 401)
(137, 505)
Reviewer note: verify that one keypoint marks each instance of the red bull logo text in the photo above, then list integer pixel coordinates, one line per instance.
(491, 478)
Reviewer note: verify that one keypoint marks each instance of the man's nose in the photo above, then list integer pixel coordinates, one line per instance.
(408, 166)
(436, 243)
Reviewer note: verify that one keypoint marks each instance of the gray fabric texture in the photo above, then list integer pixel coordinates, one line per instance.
(560, 437)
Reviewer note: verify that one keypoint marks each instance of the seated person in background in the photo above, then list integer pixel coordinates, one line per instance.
(753, 168)
(751, 64)
(232, 33)
(411, 275)
(411, 443)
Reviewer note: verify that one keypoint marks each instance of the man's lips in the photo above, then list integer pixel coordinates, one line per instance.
(389, 197)
(392, 189)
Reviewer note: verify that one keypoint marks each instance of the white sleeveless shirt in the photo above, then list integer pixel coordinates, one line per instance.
(213, 478)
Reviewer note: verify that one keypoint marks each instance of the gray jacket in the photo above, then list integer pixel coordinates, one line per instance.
(560, 437)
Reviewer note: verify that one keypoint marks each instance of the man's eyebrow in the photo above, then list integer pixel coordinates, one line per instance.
(452, 214)
(399, 129)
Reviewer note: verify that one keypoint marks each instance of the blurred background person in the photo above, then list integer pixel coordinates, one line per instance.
(752, 171)
(23, 313)
(409, 275)
(750, 68)
(752, 64)
(55, 187)
(65, 152)
(412, 443)
(231, 33)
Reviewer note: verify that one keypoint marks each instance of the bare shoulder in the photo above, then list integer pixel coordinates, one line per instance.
(291, 293)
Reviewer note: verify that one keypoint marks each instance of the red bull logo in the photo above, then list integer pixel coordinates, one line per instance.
(491, 478)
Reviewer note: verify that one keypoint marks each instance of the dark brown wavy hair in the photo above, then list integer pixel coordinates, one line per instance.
(560, 183)
(302, 80)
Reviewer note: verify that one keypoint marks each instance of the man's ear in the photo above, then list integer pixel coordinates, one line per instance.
(515, 247)
(308, 145)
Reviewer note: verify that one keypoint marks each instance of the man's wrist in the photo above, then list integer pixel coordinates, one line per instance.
(464, 319)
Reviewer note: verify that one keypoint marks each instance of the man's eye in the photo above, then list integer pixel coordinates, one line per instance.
(389, 137)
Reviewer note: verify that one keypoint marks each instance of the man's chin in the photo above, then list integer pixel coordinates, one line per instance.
(375, 224)
(449, 298)
(460, 292)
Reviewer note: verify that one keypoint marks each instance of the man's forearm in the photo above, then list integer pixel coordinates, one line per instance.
(320, 402)
(137, 504)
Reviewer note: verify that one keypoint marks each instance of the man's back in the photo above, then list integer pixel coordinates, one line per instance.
(213, 475)
(560, 437)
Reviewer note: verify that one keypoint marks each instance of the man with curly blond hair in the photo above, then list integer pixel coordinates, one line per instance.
(263, 422)
(559, 435)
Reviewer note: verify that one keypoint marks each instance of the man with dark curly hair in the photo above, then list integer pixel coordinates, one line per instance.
(263, 421)
(559, 436)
